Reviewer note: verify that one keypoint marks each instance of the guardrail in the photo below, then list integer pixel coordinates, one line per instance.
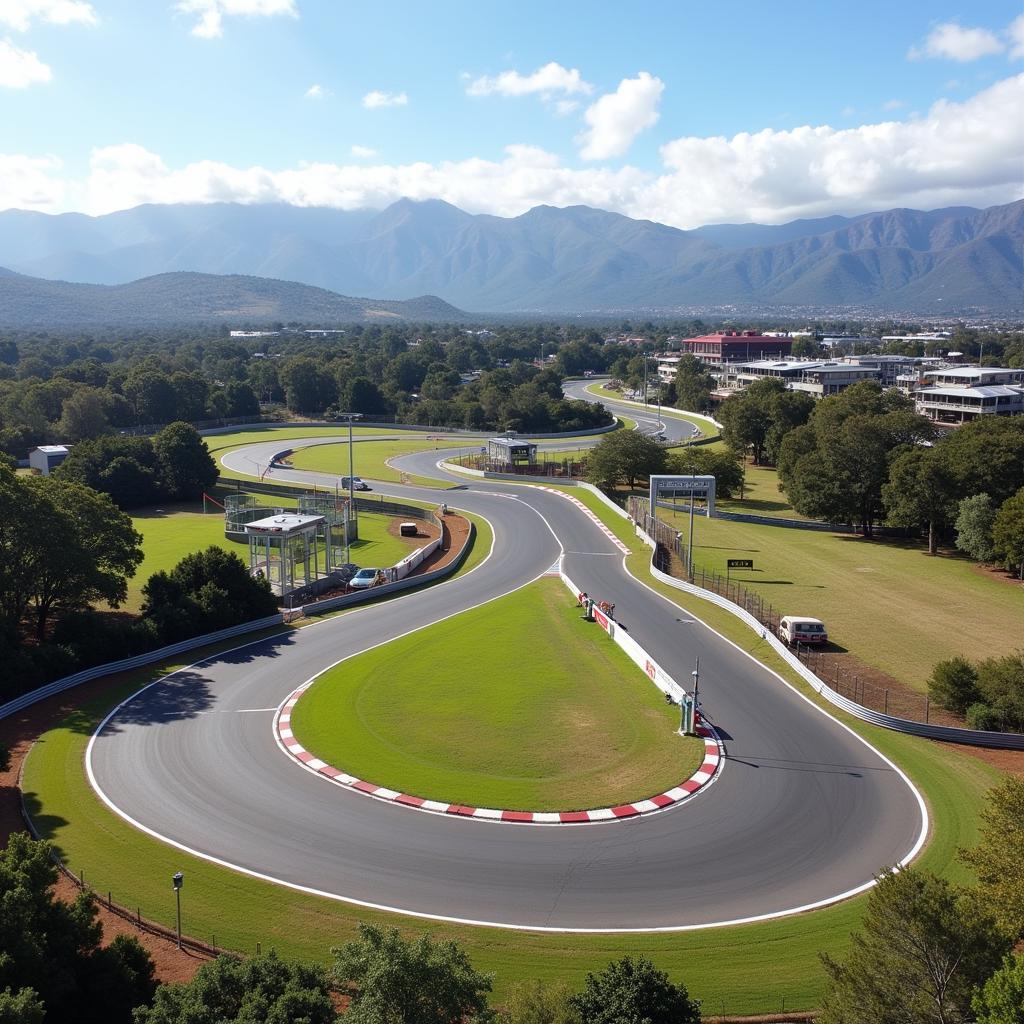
(951, 734)
(125, 664)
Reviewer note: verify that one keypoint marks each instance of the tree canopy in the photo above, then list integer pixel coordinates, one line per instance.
(51, 953)
(923, 949)
(395, 981)
(624, 456)
(634, 991)
(259, 990)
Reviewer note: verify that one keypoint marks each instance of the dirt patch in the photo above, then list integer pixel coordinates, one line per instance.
(425, 532)
(454, 538)
(18, 733)
(993, 572)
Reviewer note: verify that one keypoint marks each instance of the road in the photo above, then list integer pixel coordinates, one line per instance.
(802, 812)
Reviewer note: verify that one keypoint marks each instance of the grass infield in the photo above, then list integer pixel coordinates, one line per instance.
(547, 715)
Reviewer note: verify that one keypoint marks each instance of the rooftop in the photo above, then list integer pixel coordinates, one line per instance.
(969, 372)
(289, 522)
(985, 391)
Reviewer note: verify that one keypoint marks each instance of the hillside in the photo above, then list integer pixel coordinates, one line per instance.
(551, 260)
(180, 298)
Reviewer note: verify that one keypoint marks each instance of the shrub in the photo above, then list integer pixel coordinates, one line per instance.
(954, 685)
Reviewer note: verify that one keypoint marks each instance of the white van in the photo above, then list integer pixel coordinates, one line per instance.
(802, 629)
(357, 484)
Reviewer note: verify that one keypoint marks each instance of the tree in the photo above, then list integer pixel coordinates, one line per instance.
(922, 950)
(206, 591)
(986, 456)
(185, 466)
(699, 460)
(308, 387)
(392, 981)
(997, 859)
(693, 385)
(53, 948)
(537, 1003)
(623, 456)
(1008, 531)
(632, 991)
(21, 1007)
(259, 990)
(954, 685)
(836, 466)
(123, 467)
(86, 551)
(1001, 998)
(974, 519)
(919, 492)
(84, 414)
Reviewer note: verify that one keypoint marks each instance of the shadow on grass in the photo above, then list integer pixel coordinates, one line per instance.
(46, 825)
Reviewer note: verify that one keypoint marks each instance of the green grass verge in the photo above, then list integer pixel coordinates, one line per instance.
(566, 722)
(370, 459)
(888, 602)
(746, 969)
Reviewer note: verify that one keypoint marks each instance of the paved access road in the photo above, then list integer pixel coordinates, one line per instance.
(802, 811)
(651, 420)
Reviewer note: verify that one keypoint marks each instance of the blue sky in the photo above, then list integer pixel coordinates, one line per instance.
(682, 112)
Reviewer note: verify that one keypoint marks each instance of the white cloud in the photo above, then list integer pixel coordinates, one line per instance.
(211, 13)
(954, 42)
(1015, 33)
(19, 14)
(617, 118)
(565, 107)
(376, 98)
(552, 78)
(363, 152)
(893, 104)
(957, 153)
(20, 68)
(317, 92)
(29, 183)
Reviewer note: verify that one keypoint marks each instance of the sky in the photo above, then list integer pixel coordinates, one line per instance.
(680, 112)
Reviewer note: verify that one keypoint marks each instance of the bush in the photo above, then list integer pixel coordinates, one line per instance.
(984, 716)
(954, 685)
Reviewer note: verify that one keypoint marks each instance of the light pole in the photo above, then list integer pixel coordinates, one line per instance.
(350, 416)
(178, 881)
(696, 682)
(689, 547)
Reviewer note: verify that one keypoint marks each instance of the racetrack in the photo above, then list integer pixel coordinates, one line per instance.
(803, 811)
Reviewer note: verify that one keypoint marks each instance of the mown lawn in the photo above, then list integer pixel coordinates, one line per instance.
(562, 722)
(888, 602)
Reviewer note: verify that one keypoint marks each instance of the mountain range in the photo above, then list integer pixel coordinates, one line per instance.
(548, 260)
(187, 298)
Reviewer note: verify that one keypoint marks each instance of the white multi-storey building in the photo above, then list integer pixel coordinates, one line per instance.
(962, 393)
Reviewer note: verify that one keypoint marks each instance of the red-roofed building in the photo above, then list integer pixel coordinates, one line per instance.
(737, 347)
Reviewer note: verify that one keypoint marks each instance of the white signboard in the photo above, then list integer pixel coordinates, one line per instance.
(690, 488)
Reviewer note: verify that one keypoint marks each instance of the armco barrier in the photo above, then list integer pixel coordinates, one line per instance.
(60, 685)
(951, 734)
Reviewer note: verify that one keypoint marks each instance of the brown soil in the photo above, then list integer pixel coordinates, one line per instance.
(455, 538)
(997, 574)
(425, 532)
(18, 733)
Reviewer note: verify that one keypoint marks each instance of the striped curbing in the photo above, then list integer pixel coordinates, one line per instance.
(700, 779)
(591, 515)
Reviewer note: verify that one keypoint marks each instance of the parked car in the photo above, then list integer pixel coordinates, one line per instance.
(363, 579)
(358, 484)
(801, 629)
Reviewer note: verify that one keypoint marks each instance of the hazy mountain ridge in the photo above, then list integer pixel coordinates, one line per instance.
(180, 298)
(548, 259)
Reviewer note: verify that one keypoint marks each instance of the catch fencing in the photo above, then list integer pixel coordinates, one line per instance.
(852, 691)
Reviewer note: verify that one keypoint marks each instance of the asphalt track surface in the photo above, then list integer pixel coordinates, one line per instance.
(803, 811)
